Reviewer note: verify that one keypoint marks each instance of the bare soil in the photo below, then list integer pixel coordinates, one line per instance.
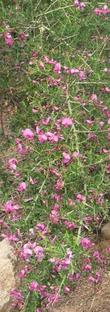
(87, 298)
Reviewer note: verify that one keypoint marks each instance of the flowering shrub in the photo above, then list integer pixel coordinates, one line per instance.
(56, 161)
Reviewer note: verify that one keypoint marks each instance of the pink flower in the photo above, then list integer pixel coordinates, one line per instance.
(101, 124)
(26, 252)
(92, 136)
(87, 267)
(52, 137)
(56, 207)
(88, 219)
(39, 310)
(66, 122)
(55, 172)
(66, 158)
(42, 138)
(8, 39)
(18, 299)
(52, 298)
(28, 134)
(33, 286)
(80, 198)
(71, 202)
(22, 274)
(53, 82)
(54, 217)
(57, 68)
(108, 168)
(98, 277)
(75, 155)
(100, 199)
(69, 225)
(95, 279)
(89, 122)
(86, 243)
(42, 291)
(46, 121)
(32, 181)
(73, 277)
(93, 97)
(39, 253)
(34, 110)
(10, 237)
(66, 289)
(97, 256)
(59, 185)
(20, 148)
(49, 61)
(80, 5)
(91, 279)
(10, 206)
(62, 264)
(21, 187)
(105, 90)
(82, 75)
(74, 71)
(12, 162)
(56, 197)
(16, 294)
(40, 227)
(103, 10)
(34, 54)
(22, 36)
(41, 65)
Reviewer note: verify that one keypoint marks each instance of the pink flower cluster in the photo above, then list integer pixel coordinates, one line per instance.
(97, 256)
(54, 215)
(86, 243)
(58, 68)
(49, 298)
(62, 264)
(66, 122)
(31, 249)
(22, 36)
(10, 206)
(74, 277)
(17, 299)
(21, 187)
(69, 225)
(41, 227)
(8, 39)
(80, 198)
(28, 134)
(59, 185)
(12, 163)
(21, 149)
(95, 279)
(104, 10)
(23, 273)
(52, 137)
(11, 237)
(80, 5)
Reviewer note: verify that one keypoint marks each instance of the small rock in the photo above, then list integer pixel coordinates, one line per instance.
(7, 276)
(105, 231)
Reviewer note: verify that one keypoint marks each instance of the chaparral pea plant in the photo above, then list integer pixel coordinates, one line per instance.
(55, 135)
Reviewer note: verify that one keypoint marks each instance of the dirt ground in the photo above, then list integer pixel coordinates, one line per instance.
(87, 298)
